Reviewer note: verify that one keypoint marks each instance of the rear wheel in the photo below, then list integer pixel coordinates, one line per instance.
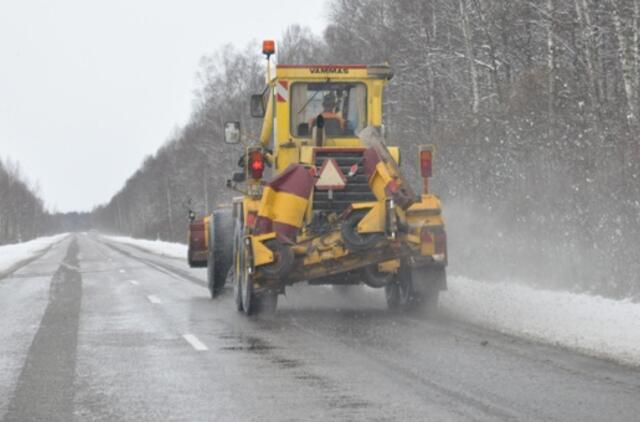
(220, 256)
(416, 289)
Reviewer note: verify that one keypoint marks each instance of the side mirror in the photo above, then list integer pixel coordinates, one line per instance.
(232, 132)
(257, 106)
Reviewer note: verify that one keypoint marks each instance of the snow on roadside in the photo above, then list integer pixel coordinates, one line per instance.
(11, 256)
(593, 325)
(169, 249)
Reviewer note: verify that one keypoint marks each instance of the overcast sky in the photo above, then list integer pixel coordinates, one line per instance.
(88, 88)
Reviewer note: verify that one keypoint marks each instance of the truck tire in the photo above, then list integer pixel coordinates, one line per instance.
(238, 263)
(398, 294)
(247, 295)
(266, 303)
(358, 241)
(416, 289)
(283, 262)
(256, 303)
(376, 279)
(220, 256)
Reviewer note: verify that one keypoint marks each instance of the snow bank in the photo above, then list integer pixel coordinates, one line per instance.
(12, 256)
(169, 249)
(592, 325)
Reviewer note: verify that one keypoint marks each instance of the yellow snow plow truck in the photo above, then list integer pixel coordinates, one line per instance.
(323, 198)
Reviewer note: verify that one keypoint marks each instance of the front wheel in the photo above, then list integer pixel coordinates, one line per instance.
(247, 296)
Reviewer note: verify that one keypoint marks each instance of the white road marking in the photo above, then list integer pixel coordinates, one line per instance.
(123, 271)
(154, 299)
(135, 283)
(195, 342)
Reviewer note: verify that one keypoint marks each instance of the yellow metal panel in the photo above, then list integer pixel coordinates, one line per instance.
(427, 249)
(312, 72)
(413, 238)
(427, 202)
(375, 103)
(306, 155)
(290, 209)
(379, 181)
(206, 231)
(395, 154)
(267, 124)
(373, 222)
(343, 142)
(363, 205)
(268, 197)
(286, 157)
(261, 254)
(283, 207)
(389, 266)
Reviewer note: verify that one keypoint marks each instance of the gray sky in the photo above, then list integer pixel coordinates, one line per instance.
(88, 88)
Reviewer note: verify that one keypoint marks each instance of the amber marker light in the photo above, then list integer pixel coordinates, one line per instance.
(268, 47)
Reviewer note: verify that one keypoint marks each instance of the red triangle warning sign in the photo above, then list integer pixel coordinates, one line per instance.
(331, 177)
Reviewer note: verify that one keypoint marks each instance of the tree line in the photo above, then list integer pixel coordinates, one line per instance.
(533, 106)
(22, 213)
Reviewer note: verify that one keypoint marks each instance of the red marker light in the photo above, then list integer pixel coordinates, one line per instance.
(251, 218)
(256, 164)
(426, 163)
(425, 236)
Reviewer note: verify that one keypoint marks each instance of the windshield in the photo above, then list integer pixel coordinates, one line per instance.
(343, 107)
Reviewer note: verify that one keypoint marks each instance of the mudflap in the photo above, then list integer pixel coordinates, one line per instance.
(427, 278)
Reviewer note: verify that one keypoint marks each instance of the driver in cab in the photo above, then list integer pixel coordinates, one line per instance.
(333, 123)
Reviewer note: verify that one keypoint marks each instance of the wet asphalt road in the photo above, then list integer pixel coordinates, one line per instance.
(100, 331)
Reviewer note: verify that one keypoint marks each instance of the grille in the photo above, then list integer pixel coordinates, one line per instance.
(357, 189)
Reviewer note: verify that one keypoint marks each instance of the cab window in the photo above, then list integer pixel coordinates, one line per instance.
(341, 108)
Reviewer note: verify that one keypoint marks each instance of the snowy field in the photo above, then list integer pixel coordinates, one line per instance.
(593, 325)
(13, 255)
(158, 247)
